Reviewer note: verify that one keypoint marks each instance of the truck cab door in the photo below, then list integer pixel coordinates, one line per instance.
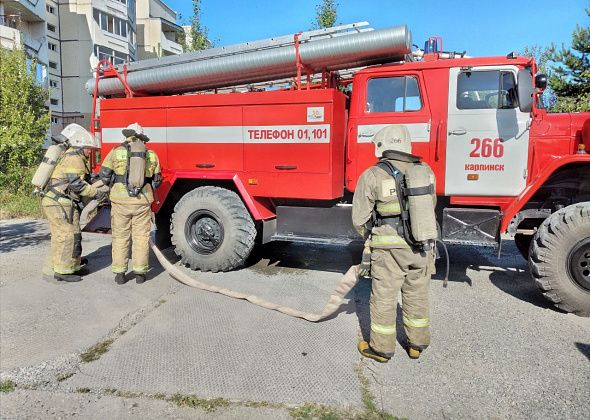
(487, 144)
(380, 100)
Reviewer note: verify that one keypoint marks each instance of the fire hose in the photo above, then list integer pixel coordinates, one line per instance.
(347, 282)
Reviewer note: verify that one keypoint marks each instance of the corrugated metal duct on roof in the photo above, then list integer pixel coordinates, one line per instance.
(186, 72)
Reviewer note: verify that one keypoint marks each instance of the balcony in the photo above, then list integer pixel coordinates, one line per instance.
(10, 36)
(29, 10)
(168, 46)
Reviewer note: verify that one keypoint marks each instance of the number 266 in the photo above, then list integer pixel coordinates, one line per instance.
(487, 148)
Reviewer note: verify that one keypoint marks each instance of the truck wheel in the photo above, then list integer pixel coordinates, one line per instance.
(523, 244)
(560, 258)
(212, 230)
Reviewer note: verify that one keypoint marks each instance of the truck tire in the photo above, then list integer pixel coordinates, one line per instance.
(560, 258)
(211, 229)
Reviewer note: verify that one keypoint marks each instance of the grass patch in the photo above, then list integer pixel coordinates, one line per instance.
(311, 411)
(83, 390)
(193, 401)
(7, 386)
(94, 352)
(63, 376)
(14, 205)
(372, 412)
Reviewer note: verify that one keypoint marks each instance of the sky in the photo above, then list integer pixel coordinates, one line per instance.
(480, 27)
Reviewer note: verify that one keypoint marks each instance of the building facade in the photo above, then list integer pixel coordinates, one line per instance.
(22, 24)
(156, 30)
(69, 37)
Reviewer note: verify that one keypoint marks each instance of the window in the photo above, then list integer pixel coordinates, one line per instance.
(53, 84)
(52, 46)
(54, 120)
(54, 101)
(50, 9)
(489, 89)
(105, 53)
(52, 65)
(109, 23)
(103, 21)
(393, 94)
(50, 27)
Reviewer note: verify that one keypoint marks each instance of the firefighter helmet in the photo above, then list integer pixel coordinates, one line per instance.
(135, 130)
(395, 138)
(77, 136)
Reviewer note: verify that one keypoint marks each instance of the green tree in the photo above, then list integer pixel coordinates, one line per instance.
(326, 14)
(542, 56)
(24, 119)
(569, 72)
(197, 38)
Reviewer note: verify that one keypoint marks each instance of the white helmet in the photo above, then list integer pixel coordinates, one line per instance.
(78, 136)
(395, 137)
(135, 130)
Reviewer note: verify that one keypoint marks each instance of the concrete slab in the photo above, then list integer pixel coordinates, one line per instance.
(43, 319)
(205, 344)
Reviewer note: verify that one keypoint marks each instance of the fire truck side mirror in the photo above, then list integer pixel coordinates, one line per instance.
(525, 90)
(541, 81)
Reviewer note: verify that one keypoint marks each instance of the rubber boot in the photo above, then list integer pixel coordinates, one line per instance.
(367, 351)
(70, 278)
(140, 278)
(414, 353)
(82, 271)
(120, 278)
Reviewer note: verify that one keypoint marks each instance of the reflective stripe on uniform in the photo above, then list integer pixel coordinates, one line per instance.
(66, 269)
(416, 322)
(388, 208)
(140, 269)
(73, 171)
(118, 269)
(387, 240)
(382, 329)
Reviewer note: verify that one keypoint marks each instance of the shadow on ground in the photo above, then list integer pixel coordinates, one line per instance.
(584, 349)
(22, 234)
(330, 258)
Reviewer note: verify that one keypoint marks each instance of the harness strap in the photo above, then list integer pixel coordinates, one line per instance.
(120, 178)
(429, 189)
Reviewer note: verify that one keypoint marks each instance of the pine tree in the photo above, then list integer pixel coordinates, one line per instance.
(569, 74)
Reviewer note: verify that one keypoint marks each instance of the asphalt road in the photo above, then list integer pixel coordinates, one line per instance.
(162, 349)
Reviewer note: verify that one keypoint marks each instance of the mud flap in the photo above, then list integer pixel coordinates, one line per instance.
(101, 223)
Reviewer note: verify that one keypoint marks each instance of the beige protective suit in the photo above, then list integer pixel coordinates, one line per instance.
(395, 265)
(66, 186)
(131, 217)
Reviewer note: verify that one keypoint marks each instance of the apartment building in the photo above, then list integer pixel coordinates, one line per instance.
(69, 37)
(156, 30)
(22, 23)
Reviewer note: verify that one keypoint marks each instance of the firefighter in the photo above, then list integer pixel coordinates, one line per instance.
(64, 188)
(396, 263)
(134, 173)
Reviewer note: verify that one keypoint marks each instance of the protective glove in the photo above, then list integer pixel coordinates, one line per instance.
(365, 265)
(101, 196)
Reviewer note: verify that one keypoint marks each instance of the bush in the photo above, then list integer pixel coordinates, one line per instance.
(24, 120)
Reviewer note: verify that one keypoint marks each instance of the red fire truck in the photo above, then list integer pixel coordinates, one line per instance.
(244, 163)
